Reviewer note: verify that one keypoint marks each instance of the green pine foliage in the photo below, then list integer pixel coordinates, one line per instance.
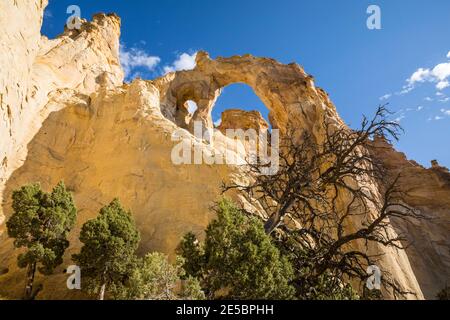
(191, 289)
(329, 287)
(238, 259)
(192, 252)
(108, 252)
(40, 223)
(155, 278)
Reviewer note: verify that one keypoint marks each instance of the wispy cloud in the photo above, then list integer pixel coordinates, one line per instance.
(48, 14)
(399, 118)
(444, 113)
(442, 97)
(405, 90)
(386, 96)
(135, 58)
(184, 61)
(402, 113)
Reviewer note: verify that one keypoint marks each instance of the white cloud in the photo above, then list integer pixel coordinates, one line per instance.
(442, 85)
(385, 97)
(419, 108)
(448, 55)
(184, 61)
(400, 115)
(399, 119)
(428, 99)
(439, 94)
(446, 112)
(405, 90)
(442, 71)
(437, 118)
(136, 58)
(439, 74)
(420, 75)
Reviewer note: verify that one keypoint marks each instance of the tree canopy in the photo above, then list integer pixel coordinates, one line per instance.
(41, 223)
(108, 252)
(155, 278)
(238, 259)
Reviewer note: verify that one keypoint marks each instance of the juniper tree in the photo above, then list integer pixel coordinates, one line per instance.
(40, 223)
(155, 278)
(238, 259)
(108, 252)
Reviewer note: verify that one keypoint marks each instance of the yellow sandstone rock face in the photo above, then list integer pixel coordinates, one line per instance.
(245, 120)
(427, 190)
(32, 67)
(67, 115)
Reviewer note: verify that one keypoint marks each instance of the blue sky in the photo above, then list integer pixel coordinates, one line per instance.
(407, 62)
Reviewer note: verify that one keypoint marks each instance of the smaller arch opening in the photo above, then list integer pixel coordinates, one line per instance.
(191, 106)
(185, 112)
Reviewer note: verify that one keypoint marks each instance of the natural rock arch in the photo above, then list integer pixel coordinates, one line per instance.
(119, 142)
(286, 90)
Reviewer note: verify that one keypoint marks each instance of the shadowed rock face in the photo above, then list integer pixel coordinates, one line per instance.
(107, 139)
(427, 190)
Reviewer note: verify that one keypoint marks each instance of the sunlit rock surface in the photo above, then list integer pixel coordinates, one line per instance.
(67, 115)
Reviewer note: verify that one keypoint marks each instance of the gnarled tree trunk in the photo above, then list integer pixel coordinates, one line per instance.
(31, 270)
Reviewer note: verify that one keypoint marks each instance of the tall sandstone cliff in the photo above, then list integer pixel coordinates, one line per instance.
(66, 114)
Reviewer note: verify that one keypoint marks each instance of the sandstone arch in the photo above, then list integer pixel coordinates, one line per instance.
(286, 90)
(123, 133)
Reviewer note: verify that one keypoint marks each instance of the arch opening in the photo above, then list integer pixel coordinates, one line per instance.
(238, 100)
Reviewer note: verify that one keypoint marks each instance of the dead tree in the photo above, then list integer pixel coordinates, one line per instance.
(330, 190)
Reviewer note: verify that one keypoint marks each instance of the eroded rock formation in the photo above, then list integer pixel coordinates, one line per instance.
(33, 67)
(67, 115)
(245, 120)
(427, 190)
